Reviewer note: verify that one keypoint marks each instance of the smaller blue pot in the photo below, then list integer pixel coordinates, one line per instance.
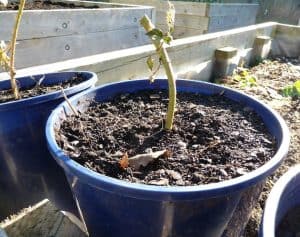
(284, 197)
(28, 173)
(115, 208)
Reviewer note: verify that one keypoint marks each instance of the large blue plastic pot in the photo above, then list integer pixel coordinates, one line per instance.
(28, 173)
(113, 208)
(284, 197)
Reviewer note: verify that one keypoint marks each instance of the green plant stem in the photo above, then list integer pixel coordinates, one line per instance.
(162, 52)
(14, 86)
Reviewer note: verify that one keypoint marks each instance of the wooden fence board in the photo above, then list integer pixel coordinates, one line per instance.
(186, 54)
(219, 23)
(227, 9)
(201, 17)
(182, 32)
(190, 8)
(46, 23)
(52, 49)
(48, 36)
(184, 20)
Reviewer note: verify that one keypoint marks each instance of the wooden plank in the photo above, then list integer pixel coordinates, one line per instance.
(158, 4)
(188, 14)
(220, 23)
(43, 219)
(192, 21)
(62, 35)
(182, 32)
(184, 20)
(227, 9)
(46, 23)
(190, 8)
(52, 49)
(202, 16)
(284, 11)
(186, 54)
(181, 7)
(163, 27)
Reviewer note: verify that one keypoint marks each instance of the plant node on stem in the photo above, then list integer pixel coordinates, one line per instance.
(158, 41)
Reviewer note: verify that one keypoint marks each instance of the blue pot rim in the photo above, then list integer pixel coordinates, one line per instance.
(49, 96)
(152, 192)
(271, 207)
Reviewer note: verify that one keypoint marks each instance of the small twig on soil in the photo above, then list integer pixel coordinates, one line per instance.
(212, 144)
(39, 81)
(68, 102)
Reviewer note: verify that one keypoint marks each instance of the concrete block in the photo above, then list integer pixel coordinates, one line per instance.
(262, 39)
(225, 53)
(226, 60)
(261, 49)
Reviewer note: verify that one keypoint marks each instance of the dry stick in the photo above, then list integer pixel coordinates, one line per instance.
(68, 102)
(155, 71)
(14, 86)
(161, 50)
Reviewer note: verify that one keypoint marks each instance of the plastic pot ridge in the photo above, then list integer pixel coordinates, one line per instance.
(112, 207)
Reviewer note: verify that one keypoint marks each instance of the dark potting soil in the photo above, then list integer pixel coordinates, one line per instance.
(44, 5)
(213, 138)
(40, 89)
(290, 224)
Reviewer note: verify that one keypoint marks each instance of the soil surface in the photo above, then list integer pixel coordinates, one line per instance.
(44, 5)
(213, 139)
(290, 225)
(40, 88)
(272, 76)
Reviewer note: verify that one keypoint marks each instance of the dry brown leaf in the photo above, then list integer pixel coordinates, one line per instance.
(137, 161)
(124, 163)
(167, 154)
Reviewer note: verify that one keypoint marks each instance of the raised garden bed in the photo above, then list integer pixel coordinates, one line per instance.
(194, 18)
(71, 29)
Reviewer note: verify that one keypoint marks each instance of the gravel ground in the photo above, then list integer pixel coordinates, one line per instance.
(271, 76)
